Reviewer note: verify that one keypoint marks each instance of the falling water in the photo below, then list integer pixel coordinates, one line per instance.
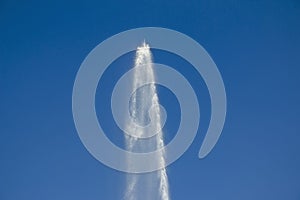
(152, 185)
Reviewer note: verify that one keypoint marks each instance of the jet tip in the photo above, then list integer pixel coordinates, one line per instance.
(144, 46)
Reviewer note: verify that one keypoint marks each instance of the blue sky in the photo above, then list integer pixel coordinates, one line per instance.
(255, 45)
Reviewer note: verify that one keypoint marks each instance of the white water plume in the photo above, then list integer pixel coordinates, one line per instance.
(152, 185)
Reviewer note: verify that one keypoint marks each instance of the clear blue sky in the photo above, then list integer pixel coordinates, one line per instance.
(256, 45)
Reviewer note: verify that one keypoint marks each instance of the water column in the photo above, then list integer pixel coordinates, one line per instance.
(154, 185)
